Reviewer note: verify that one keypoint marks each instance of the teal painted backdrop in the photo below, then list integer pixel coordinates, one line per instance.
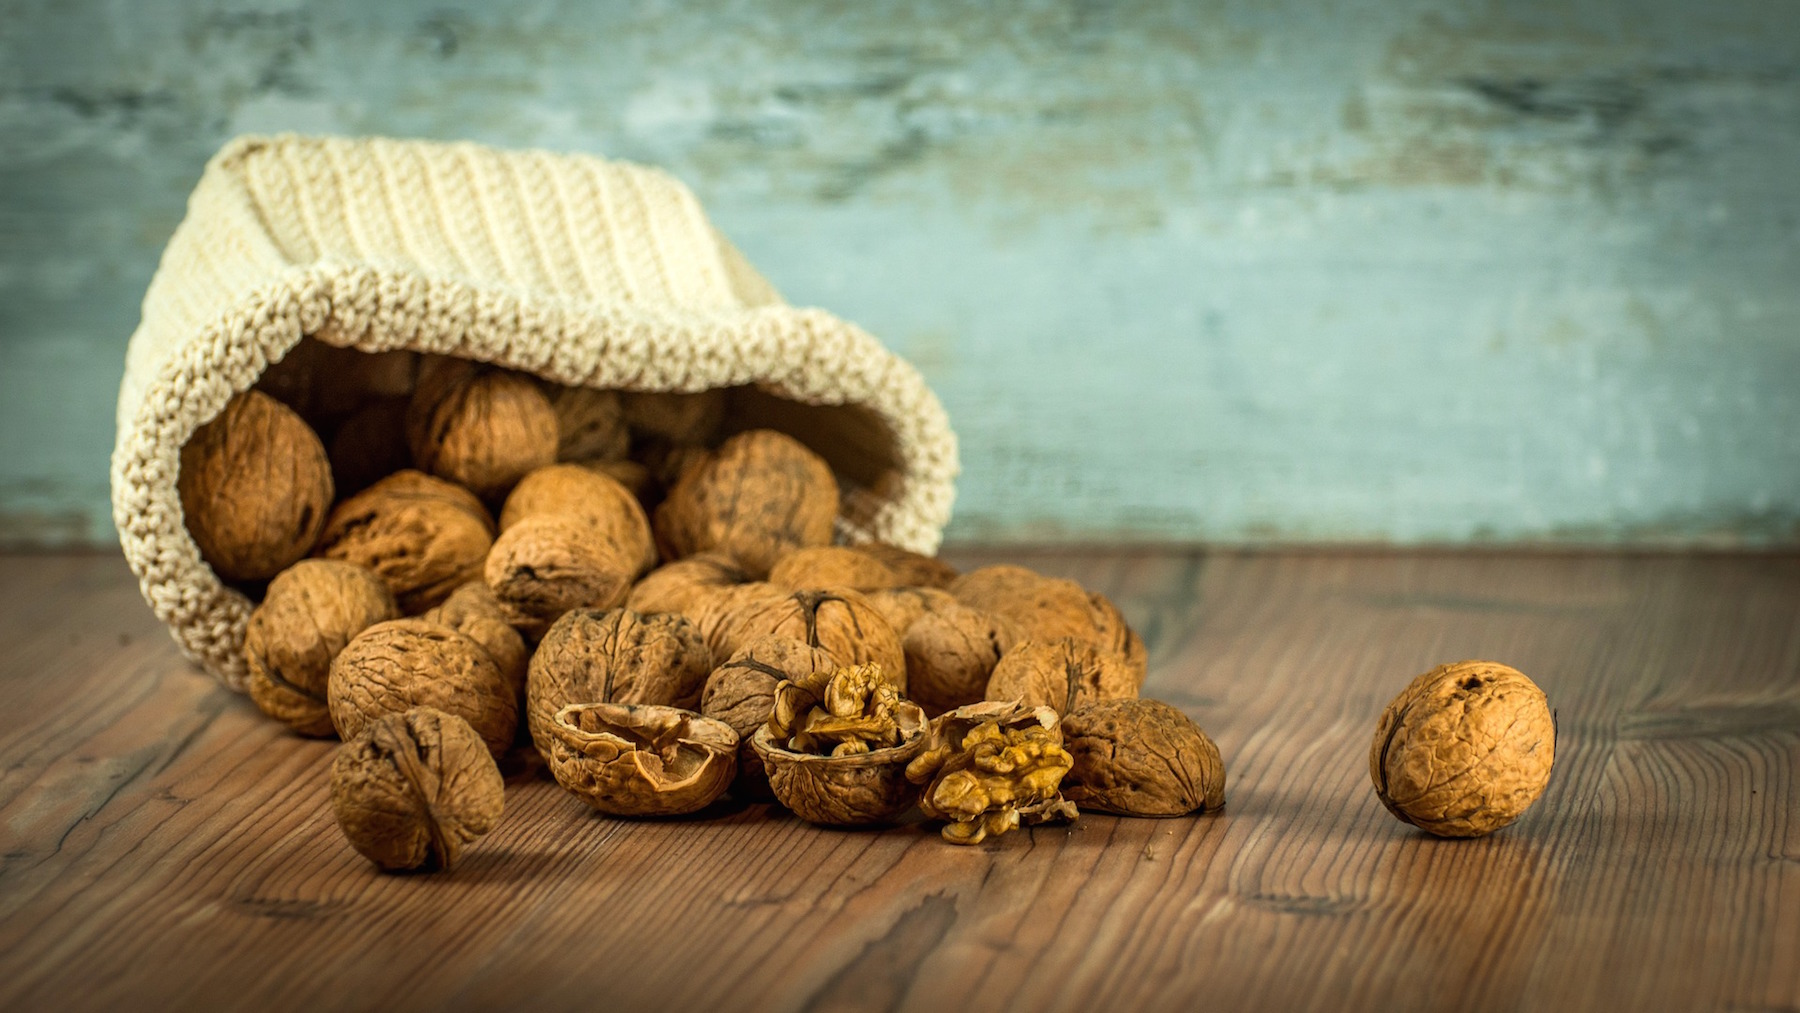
(1389, 271)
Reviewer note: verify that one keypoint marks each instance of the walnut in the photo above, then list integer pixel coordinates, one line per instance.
(684, 585)
(1050, 608)
(590, 425)
(580, 493)
(473, 611)
(255, 486)
(480, 427)
(989, 767)
(720, 613)
(1141, 758)
(832, 566)
(641, 759)
(1464, 750)
(415, 788)
(617, 656)
(913, 569)
(950, 654)
(1060, 674)
(370, 445)
(312, 609)
(903, 606)
(674, 416)
(840, 621)
(394, 666)
(425, 536)
(762, 494)
(827, 753)
(630, 474)
(547, 564)
(741, 692)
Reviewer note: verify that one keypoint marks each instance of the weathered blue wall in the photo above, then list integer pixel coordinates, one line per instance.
(1235, 271)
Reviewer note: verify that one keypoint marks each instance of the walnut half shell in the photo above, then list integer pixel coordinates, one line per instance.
(642, 759)
(862, 787)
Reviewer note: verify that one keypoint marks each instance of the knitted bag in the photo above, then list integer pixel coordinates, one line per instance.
(579, 270)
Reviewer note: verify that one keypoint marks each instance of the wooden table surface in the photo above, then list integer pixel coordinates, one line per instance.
(162, 846)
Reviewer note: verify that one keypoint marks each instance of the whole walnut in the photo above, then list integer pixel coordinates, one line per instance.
(579, 493)
(840, 621)
(255, 486)
(832, 566)
(991, 767)
(1050, 608)
(480, 427)
(741, 692)
(395, 666)
(473, 611)
(311, 610)
(370, 445)
(1060, 674)
(617, 656)
(912, 569)
(641, 759)
(590, 425)
(684, 585)
(1141, 758)
(415, 788)
(547, 564)
(903, 606)
(673, 416)
(760, 495)
(950, 655)
(1464, 750)
(425, 536)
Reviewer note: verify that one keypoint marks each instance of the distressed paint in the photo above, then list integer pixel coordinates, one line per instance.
(1418, 272)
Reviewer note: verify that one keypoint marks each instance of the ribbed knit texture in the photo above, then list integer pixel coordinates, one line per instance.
(580, 270)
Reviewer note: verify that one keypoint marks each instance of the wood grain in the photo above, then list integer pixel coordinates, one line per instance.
(162, 846)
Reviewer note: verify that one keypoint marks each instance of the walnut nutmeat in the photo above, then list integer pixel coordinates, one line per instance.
(990, 767)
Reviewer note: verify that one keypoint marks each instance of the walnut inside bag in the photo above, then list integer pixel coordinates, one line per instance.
(425, 536)
(312, 610)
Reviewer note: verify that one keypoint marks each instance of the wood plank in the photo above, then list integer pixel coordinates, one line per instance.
(162, 845)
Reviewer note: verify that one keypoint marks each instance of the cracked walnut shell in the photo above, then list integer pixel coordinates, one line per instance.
(760, 495)
(255, 486)
(989, 767)
(617, 656)
(311, 611)
(1141, 758)
(1464, 750)
(1060, 674)
(641, 759)
(425, 536)
(395, 666)
(837, 745)
(414, 789)
(480, 427)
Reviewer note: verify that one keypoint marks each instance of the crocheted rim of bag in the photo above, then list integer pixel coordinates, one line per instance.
(803, 355)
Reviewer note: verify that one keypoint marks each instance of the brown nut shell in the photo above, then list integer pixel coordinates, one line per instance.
(867, 789)
(370, 445)
(832, 566)
(1060, 674)
(741, 692)
(839, 620)
(255, 486)
(310, 612)
(473, 611)
(903, 606)
(1051, 608)
(951, 654)
(641, 759)
(913, 569)
(1141, 758)
(1464, 750)
(590, 425)
(673, 415)
(415, 788)
(576, 492)
(395, 666)
(684, 585)
(616, 656)
(547, 564)
(762, 494)
(479, 427)
(425, 536)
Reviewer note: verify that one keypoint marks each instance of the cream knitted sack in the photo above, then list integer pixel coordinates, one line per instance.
(580, 270)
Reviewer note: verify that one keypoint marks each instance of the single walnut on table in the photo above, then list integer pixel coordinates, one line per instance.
(989, 767)
(255, 486)
(312, 610)
(425, 536)
(641, 759)
(836, 748)
(1141, 758)
(415, 788)
(1464, 750)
